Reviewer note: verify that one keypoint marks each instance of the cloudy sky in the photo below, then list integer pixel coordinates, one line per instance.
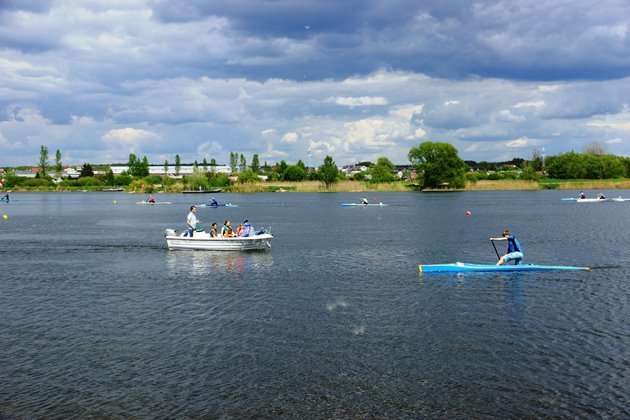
(302, 79)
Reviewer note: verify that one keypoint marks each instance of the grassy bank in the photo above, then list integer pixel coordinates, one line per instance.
(366, 187)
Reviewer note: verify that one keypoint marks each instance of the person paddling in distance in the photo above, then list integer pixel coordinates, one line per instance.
(6, 197)
(191, 221)
(514, 250)
(581, 196)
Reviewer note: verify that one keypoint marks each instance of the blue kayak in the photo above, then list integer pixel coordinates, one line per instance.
(465, 267)
(218, 205)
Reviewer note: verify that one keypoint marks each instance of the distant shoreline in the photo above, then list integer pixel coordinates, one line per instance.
(346, 186)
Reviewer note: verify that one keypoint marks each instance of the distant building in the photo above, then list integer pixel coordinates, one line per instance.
(170, 170)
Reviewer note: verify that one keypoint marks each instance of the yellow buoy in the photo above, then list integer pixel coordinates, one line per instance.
(5, 217)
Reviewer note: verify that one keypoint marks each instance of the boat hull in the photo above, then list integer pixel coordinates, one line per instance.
(363, 205)
(597, 200)
(480, 268)
(201, 241)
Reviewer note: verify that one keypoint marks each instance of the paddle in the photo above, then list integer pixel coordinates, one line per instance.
(495, 249)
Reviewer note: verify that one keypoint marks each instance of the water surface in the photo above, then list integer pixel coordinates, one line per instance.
(99, 319)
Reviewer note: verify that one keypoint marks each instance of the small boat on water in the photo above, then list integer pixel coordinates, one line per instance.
(217, 205)
(200, 191)
(459, 267)
(202, 241)
(153, 202)
(597, 200)
(363, 205)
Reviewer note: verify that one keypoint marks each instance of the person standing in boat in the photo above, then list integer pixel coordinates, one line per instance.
(191, 221)
(514, 250)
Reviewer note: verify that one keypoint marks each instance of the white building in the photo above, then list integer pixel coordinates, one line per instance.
(183, 170)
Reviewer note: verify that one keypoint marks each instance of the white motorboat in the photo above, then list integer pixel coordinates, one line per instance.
(203, 241)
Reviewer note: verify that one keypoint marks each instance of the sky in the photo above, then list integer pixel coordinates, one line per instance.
(302, 79)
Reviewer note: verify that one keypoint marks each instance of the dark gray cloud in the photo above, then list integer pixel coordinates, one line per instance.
(527, 40)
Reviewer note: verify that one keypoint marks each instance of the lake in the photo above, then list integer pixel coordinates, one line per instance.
(99, 319)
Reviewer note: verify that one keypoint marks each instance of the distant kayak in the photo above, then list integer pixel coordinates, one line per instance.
(597, 200)
(465, 267)
(154, 203)
(363, 205)
(218, 205)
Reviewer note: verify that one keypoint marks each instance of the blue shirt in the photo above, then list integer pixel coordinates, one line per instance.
(513, 245)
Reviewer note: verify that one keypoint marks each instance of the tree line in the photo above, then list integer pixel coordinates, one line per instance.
(437, 165)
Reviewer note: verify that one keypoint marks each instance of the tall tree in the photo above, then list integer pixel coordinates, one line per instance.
(165, 167)
(58, 165)
(233, 161)
(43, 159)
(328, 172)
(439, 163)
(255, 163)
(213, 164)
(243, 164)
(178, 165)
(205, 165)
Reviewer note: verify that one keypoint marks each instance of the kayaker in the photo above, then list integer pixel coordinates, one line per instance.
(364, 200)
(514, 250)
(6, 197)
(191, 221)
(601, 196)
(214, 203)
(151, 199)
(582, 195)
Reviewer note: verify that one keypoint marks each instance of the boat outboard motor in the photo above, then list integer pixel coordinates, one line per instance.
(170, 232)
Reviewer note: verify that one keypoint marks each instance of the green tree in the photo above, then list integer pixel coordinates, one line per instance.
(439, 163)
(328, 172)
(243, 164)
(294, 173)
(233, 161)
(43, 159)
(58, 165)
(247, 176)
(109, 177)
(255, 163)
(178, 165)
(383, 171)
(86, 171)
(205, 165)
(165, 167)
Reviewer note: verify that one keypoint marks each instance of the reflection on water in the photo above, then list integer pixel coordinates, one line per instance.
(204, 263)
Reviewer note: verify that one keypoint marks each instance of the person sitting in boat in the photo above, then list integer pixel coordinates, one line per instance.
(214, 203)
(226, 230)
(601, 196)
(151, 199)
(239, 230)
(514, 250)
(191, 221)
(582, 195)
(247, 229)
(363, 200)
(213, 231)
